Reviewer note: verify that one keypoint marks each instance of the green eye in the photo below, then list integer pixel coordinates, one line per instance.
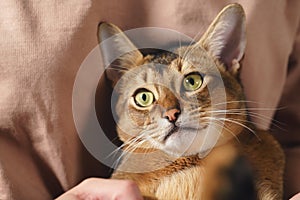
(144, 98)
(192, 82)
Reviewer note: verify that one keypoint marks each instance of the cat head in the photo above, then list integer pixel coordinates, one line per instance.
(183, 101)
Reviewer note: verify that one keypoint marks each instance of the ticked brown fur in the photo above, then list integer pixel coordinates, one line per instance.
(191, 176)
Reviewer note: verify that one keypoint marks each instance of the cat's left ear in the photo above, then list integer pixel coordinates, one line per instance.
(117, 48)
(225, 38)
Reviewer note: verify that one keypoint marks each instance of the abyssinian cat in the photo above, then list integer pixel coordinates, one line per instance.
(183, 119)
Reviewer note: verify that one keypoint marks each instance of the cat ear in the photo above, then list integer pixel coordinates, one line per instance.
(225, 38)
(117, 47)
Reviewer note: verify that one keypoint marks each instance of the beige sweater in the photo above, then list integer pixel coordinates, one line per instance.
(43, 43)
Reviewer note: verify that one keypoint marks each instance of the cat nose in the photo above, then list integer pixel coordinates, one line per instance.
(172, 114)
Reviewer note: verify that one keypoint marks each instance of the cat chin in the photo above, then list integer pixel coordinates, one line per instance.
(187, 142)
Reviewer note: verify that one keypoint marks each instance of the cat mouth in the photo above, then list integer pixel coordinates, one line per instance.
(176, 129)
(171, 132)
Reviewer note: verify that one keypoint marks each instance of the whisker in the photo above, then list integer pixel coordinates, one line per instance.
(223, 125)
(179, 50)
(243, 125)
(130, 150)
(236, 101)
(190, 45)
(129, 147)
(237, 123)
(250, 109)
(256, 115)
(276, 123)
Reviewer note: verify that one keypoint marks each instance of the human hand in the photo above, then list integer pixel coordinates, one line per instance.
(106, 189)
(296, 197)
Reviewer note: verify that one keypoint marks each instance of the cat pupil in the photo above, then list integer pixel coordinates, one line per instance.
(144, 97)
(191, 81)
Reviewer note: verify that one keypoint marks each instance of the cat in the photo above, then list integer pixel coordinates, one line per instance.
(182, 137)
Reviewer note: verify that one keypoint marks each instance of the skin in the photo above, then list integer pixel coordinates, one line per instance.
(104, 189)
(296, 197)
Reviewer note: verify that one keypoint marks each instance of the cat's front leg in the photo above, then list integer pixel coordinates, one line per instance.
(268, 161)
(266, 192)
(186, 184)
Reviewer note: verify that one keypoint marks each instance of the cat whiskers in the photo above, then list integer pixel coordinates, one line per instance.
(121, 69)
(199, 111)
(224, 126)
(132, 141)
(190, 44)
(238, 122)
(130, 147)
(136, 142)
(250, 113)
(117, 68)
(236, 101)
(179, 53)
(246, 101)
(252, 108)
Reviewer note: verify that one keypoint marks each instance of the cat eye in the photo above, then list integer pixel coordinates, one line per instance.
(192, 82)
(144, 98)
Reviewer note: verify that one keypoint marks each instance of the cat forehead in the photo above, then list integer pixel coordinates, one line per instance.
(183, 59)
(167, 68)
(161, 57)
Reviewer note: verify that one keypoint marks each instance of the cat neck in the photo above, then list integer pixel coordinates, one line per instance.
(157, 161)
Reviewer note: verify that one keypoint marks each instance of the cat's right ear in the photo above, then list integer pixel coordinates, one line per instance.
(118, 52)
(225, 39)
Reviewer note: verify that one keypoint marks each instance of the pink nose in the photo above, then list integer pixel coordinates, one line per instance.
(172, 114)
